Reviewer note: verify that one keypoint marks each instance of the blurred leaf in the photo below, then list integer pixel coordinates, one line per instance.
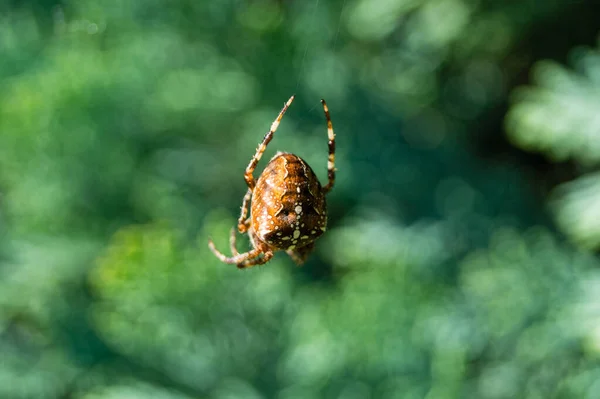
(559, 115)
(577, 208)
(132, 390)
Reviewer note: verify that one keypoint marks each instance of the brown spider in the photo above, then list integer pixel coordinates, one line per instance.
(288, 210)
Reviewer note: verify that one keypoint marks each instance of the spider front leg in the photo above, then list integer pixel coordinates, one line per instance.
(232, 245)
(244, 223)
(245, 260)
(256, 261)
(263, 145)
(331, 145)
(236, 259)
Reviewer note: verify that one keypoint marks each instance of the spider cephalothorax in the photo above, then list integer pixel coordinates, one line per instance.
(288, 210)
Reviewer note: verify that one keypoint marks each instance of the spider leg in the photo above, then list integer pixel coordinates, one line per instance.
(331, 144)
(263, 146)
(236, 259)
(300, 255)
(242, 221)
(232, 237)
(234, 250)
(256, 261)
(296, 258)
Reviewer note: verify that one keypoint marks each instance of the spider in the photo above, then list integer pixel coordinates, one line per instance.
(288, 209)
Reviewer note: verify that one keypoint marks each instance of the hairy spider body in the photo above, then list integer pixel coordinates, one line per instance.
(288, 204)
(288, 208)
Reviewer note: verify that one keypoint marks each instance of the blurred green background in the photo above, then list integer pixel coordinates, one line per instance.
(461, 259)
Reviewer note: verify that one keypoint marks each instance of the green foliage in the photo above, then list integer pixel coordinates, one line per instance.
(558, 116)
(125, 127)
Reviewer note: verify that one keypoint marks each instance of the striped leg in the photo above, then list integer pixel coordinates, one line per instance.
(256, 261)
(232, 245)
(263, 146)
(242, 221)
(245, 260)
(237, 259)
(331, 144)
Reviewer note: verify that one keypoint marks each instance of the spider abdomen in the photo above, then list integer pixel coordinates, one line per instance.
(288, 208)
